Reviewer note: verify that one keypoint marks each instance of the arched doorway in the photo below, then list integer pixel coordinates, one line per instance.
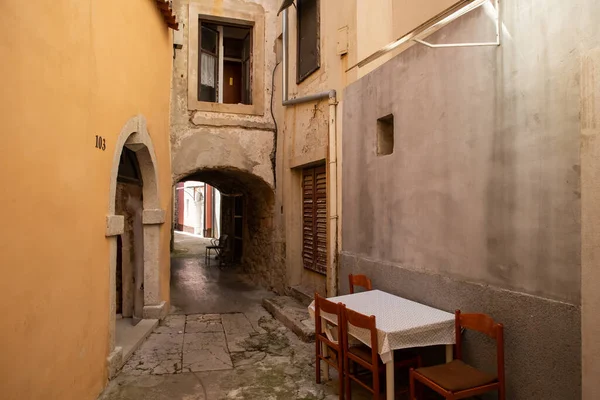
(134, 150)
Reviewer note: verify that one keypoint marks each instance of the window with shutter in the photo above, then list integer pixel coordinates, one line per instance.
(314, 219)
(308, 47)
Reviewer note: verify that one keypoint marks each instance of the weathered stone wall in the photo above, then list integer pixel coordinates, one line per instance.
(233, 151)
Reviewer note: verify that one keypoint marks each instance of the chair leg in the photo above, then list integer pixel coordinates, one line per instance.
(318, 361)
(501, 392)
(341, 374)
(348, 391)
(376, 387)
(411, 383)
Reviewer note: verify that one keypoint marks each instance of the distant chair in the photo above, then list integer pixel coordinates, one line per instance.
(458, 380)
(359, 280)
(220, 248)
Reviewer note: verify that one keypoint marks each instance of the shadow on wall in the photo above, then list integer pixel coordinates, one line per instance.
(247, 207)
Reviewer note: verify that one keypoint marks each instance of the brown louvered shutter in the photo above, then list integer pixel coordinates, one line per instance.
(314, 219)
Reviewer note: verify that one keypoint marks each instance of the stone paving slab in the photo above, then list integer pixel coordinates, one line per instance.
(172, 324)
(206, 351)
(160, 354)
(203, 323)
(237, 324)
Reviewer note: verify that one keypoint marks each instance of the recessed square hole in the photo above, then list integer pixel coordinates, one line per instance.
(385, 135)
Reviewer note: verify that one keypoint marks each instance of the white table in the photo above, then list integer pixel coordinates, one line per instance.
(401, 324)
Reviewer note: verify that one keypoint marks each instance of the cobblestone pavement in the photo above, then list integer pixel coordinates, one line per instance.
(220, 356)
(236, 352)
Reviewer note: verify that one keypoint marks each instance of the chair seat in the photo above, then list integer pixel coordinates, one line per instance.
(363, 352)
(456, 376)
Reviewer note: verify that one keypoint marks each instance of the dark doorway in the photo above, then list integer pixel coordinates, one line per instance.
(232, 83)
(130, 245)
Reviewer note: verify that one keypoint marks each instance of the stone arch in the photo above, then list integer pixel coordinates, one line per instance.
(134, 135)
(263, 251)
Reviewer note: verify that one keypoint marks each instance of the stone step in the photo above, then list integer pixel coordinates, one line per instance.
(293, 314)
(302, 294)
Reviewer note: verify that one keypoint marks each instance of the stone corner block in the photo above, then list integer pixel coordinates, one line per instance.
(114, 362)
(158, 311)
(115, 225)
(153, 217)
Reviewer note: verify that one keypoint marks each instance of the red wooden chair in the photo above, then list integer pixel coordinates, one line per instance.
(359, 280)
(329, 350)
(458, 380)
(368, 357)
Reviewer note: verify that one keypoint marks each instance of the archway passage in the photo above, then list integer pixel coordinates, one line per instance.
(252, 257)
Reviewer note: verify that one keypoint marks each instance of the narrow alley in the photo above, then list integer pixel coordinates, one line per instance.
(218, 342)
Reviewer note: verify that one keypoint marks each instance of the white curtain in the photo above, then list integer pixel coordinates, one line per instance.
(207, 75)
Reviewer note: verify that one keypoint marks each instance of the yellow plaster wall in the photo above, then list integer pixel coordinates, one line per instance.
(380, 22)
(69, 70)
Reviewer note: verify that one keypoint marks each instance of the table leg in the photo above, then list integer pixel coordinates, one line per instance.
(389, 378)
(449, 352)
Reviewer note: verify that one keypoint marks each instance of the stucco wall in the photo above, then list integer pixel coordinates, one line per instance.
(204, 139)
(483, 183)
(232, 148)
(70, 70)
(479, 205)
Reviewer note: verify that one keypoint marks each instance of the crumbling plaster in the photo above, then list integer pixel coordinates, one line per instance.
(232, 146)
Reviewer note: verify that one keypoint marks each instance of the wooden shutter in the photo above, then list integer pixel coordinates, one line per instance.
(314, 219)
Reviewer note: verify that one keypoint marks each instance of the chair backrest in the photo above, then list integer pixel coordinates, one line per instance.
(359, 280)
(365, 322)
(223, 239)
(329, 307)
(484, 324)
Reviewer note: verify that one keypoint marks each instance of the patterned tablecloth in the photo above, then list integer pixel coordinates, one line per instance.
(401, 323)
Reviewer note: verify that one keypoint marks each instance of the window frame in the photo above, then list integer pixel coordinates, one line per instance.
(221, 58)
(299, 77)
(246, 16)
(217, 55)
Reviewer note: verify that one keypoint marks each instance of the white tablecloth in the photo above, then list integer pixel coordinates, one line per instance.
(401, 323)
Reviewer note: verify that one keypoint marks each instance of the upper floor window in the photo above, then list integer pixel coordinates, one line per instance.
(224, 63)
(309, 55)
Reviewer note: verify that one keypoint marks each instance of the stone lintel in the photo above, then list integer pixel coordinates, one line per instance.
(115, 225)
(154, 217)
(157, 311)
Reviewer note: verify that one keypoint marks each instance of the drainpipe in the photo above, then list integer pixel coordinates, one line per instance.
(332, 170)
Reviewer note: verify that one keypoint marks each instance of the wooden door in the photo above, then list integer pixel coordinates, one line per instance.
(232, 82)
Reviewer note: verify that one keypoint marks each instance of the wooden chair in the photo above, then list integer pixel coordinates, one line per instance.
(359, 280)
(220, 248)
(458, 380)
(368, 357)
(326, 346)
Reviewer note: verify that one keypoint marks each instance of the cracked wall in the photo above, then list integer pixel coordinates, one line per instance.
(236, 142)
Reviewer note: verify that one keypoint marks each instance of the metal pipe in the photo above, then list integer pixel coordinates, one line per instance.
(311, 97)
(286, 43)
(332, 170)
(332, 189)
(438, 46)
